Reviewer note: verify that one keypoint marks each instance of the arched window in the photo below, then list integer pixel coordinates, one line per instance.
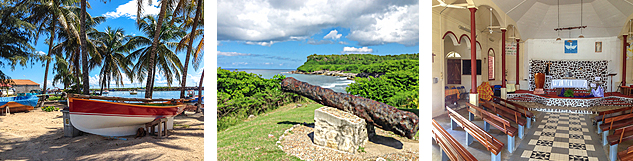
(491, 64)
(453, 55)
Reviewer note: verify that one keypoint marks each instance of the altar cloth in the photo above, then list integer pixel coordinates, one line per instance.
(569, 83)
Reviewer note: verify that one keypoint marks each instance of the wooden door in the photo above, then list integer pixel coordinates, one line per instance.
(454, 73)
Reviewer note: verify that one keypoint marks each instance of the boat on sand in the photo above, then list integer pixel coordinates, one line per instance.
(18, 103)
(94, 115)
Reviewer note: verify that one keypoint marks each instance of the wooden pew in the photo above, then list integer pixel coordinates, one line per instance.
(508, 113)
(626, 154)
(618, 136)
(611, 113)
(614, 123)
(517, 107)
(497, 122)
(451, 149)
(473, 131)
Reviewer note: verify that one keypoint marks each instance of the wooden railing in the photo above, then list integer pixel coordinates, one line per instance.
(612, 113)
(449, 145)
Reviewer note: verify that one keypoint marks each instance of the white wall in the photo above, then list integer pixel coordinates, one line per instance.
(550, 49)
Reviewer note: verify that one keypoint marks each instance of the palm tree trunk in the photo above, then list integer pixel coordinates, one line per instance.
(200, 92)
(191, 36)
(84, 53)
(50, 49)
(76, 62)
(150, 75)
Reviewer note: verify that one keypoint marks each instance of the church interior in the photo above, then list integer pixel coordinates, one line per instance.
(532, 80)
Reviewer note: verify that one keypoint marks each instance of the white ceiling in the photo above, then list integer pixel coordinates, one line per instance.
(537, 19)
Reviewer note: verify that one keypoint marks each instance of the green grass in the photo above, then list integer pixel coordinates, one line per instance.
(249, 140)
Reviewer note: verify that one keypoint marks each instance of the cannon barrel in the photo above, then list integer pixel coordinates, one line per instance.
(381, 115)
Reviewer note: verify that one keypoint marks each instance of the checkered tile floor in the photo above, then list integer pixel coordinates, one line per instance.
(561, 136)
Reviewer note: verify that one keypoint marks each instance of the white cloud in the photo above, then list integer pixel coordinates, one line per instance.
(129, 9)
(333, 35)
(353, 50)
(342, 42)
(239, 63)
(232, 54)
(370, 23)
(260, 43)
(41, 53)
(398, 25)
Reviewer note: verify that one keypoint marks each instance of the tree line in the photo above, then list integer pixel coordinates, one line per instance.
(77, 48)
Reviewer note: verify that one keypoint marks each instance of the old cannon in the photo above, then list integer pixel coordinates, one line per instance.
(381, 115)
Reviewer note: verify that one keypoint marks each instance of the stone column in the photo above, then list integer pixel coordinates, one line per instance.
(474, 97)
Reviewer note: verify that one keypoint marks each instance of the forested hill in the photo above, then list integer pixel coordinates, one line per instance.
(397, 85)
(359, 63)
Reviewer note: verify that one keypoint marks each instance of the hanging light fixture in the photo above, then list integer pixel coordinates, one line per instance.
(581, 36)
(558, 19)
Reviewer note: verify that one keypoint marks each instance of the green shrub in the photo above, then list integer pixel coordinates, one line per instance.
(50, 108)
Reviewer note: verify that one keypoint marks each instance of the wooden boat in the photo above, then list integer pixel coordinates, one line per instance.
(133, 92)
(18, 103)
(119, 119)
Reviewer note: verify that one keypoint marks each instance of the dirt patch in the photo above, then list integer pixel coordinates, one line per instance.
(38, 135)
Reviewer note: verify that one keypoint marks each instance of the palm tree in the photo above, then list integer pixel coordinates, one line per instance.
(166, 60)
(47, 15)
(189, 39)
(111, 47)
(69, 44)
(153, 51)
(62, 73)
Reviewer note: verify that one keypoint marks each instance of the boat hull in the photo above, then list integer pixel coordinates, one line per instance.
(19, 103)
(116, 119)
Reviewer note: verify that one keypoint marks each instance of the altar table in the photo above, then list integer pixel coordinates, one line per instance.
(569, 83)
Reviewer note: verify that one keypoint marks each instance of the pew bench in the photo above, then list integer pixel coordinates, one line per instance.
(473, 132)
(611, 113)
(614, 123)
(450, 148)
(510, 114)
(496, 121)
(626, 154)
(619, 135)
(529, 116)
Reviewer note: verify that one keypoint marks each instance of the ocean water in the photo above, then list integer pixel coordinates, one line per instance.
(338, 84)
(155, 95)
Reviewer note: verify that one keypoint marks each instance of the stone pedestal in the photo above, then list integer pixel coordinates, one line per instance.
(339, 130)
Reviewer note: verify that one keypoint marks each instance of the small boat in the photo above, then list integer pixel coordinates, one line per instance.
(193, 99)
(118, 119)
(105, 92)
(133, 92)
(18, 103)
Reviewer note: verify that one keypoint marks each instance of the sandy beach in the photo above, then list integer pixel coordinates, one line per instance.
(38, 135)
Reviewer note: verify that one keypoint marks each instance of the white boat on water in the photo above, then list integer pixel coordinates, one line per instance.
(118, 119)
(133, 92)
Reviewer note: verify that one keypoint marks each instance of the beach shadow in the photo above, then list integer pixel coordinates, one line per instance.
(289, 122)
(86, 146)
(311, 135)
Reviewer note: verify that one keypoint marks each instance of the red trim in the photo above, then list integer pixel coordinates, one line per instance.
(517, 64)
(449, 32)
(478, 44)
(111, 108)
(624, 44)
(503, 58)
(460, 38)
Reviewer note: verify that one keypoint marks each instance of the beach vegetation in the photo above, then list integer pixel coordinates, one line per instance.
(351, 63)
(112, 49)
(196, 24)
(50, 108)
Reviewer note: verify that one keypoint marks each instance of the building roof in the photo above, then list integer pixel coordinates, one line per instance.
(23, 82)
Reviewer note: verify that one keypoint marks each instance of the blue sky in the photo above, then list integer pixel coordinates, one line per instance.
(280, 35)
(119, 14)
